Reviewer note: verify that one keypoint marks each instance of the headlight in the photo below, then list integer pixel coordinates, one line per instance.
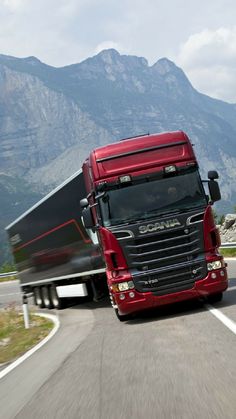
(125, 286)
(216, 264)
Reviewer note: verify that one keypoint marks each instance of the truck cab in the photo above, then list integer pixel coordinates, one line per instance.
(146, 201)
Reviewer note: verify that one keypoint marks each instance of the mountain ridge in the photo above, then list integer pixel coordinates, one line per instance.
(51, 117)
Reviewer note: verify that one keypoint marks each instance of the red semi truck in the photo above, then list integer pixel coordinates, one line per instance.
(146, 201)
(144, 218)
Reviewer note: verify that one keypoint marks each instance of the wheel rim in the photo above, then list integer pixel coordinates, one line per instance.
(54, 296)
(46, 297)
(38, 297)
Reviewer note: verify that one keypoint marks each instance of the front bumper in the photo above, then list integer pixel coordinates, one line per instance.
(201, 289)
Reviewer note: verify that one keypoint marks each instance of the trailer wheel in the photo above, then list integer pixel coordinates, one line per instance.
(38, 297)
(56, 301)
(47, 297)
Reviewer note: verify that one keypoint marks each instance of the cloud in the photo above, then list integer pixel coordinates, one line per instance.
(41, 28)
(62, 32)
(13, 5)
(209, 60)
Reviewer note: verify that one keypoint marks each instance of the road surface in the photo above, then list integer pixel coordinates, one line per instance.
(178, 362)
(9, 293)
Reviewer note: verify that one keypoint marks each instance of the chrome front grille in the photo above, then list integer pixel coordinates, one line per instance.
(162, 249)
(166, 261)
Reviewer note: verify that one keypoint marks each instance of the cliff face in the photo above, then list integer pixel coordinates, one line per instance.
(228, 229)
(38, 125)
(50, 118)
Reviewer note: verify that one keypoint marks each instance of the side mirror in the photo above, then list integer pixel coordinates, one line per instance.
(214, 190)
(87, 217)
(84, 203)
(212, 175)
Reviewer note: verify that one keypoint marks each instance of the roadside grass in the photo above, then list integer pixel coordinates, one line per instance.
(8, 278)
(14, 338)
(228, 252)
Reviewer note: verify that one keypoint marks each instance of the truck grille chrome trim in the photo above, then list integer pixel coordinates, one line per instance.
(167, 261)
(196, 218)
(123, 234)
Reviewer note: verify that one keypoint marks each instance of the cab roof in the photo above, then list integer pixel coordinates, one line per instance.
(142, 152)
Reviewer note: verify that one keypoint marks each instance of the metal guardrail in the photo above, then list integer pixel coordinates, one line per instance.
(6, 274)
(228, 245)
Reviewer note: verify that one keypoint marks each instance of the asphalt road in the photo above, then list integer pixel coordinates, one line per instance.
(10, 293)
(178, 362)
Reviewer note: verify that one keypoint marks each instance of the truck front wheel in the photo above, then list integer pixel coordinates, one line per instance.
(124, 317)
(215, 298)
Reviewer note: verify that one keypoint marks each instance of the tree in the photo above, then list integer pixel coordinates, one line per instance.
(7, 267)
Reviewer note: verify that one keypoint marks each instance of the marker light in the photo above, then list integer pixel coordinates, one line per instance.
(216, 264)
(126, 178)
(169, 169)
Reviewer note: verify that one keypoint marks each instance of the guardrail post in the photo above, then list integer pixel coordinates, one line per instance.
(26, 311)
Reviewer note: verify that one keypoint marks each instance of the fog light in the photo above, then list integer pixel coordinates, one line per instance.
(125, 178)
(131, 294)
(170, 169)
(222, 273)
(122, 296)
(216, 264)
(213, 275)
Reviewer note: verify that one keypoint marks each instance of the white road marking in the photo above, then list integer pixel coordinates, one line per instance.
(7, 295)
(15, 364)
(223, 318)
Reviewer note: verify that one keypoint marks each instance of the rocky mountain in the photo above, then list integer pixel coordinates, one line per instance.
(51, 117)
(16, 196)
(228, 229)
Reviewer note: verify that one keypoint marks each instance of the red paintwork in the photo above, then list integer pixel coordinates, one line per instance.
(145, 162)
(111, 247)
(202, 288)
(211, 232)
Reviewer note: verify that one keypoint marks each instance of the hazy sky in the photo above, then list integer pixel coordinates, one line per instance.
(198, 35)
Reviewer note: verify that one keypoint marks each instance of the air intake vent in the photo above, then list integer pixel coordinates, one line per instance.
(123, 234)
(197, 218)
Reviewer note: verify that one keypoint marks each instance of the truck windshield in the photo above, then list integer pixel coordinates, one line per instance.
(152, 198)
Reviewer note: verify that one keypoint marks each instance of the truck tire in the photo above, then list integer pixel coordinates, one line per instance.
(124, 317)
(215, 298)
(47, 297)
(56, 301)
(38, 297)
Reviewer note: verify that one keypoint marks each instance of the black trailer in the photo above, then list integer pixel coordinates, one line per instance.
(56, 257)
